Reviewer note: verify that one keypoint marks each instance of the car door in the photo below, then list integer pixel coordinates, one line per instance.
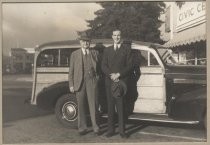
(51, 67)
(151, 83)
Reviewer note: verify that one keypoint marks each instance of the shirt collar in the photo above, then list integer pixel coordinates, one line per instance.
(84, 51)
(118, 45)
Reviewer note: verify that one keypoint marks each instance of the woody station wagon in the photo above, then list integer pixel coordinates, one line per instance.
(160, 89)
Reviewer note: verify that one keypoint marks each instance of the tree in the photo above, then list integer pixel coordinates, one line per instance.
(136, 20)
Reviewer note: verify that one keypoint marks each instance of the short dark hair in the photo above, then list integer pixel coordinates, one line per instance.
(116, 29)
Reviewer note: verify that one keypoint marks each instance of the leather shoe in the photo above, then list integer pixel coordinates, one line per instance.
(123, 135)
(84, 132)
(98, 133)
(109, 134)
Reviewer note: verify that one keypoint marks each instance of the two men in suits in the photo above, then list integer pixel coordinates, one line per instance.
(117, 66)
(83, 78)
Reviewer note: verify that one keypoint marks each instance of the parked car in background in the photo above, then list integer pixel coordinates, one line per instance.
(160, 89)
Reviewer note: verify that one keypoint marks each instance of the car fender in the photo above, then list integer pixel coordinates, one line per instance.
(46, 99)
(190, 105)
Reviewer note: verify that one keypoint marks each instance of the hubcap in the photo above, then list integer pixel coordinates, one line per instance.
(69, 111)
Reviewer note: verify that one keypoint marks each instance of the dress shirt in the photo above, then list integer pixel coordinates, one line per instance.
(117, 46)
(85, 51)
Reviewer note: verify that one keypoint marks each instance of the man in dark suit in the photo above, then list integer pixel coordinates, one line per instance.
(116, 65)
(83, 79)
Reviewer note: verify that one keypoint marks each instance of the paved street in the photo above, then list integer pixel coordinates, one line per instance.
(46, 129)
(23, 123)
(16, 89)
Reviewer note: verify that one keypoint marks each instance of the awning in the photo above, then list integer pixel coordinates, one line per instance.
(188, 36)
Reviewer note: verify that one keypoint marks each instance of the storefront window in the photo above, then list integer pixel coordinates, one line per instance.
(190, 56)
(201, 54)
(194, 54)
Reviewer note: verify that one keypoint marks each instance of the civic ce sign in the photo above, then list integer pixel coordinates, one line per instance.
(190, 14)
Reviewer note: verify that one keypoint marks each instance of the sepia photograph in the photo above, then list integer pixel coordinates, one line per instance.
(104, 72)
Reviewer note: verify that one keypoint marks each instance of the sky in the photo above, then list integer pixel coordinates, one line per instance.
(26, 25)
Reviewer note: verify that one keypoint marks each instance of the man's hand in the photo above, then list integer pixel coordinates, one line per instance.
(115, 77)
(112, 76)
(72, 89)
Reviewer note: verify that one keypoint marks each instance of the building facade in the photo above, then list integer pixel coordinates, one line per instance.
(21, 60)
(184, 31)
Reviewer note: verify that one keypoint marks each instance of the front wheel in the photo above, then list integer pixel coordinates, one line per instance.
(66, 110)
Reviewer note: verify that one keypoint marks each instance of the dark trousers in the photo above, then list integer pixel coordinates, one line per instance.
(88, 91)
(119, 104)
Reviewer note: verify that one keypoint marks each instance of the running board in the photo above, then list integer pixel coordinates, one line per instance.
(156, 118)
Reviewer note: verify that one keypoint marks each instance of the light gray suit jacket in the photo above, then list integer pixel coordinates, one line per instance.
(76, 70)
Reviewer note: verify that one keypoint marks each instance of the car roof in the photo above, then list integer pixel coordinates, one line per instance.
(70, 43)
(105, 42)
(149, 44)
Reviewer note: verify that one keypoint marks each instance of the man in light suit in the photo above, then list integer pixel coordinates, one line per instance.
(83, 78)
(117, 66)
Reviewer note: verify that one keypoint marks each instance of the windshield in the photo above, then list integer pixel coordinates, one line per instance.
(168, 56)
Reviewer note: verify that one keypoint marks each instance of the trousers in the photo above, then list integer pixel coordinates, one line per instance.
(119, 104)
(87, 94)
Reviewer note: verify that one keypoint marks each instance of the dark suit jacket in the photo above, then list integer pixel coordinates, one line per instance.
(76, 67)
(117, 61)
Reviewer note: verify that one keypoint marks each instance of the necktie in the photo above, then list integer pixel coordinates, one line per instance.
(86, 52)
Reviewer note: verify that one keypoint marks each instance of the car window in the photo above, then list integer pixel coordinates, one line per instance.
(168, 56)
(144, 58)
(55, 57)
(153, 60)
(48, 58)
(65, 56)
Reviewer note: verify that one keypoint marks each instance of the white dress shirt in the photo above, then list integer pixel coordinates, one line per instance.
(117, 46)
(85, 51)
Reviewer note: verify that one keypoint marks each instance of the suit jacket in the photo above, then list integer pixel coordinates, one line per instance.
(76, 67)
(117, 61)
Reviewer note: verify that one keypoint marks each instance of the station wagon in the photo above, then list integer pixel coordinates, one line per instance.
(160, 90)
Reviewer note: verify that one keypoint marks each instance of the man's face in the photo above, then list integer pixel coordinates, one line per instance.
(85, 44)
(116, 36)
